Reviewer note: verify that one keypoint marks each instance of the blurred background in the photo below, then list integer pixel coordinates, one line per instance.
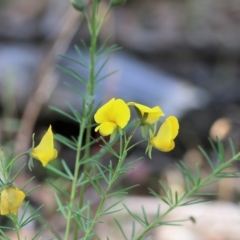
(181, 55)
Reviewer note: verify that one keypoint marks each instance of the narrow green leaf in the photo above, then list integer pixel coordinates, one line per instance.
(58, 172)
(105, 211)
(110, 171)
(198, 177)
(186, 172)
(103, 174)
(170, 196)
(134, 216)
(187, 182)
(73, 60)
(78, 76)
(74, 88)
(80, 54)
(67, 170)
(70, 73)
(75, 113)
(206, 157)
(194, 201)
(176, 198)
(163, 188)
(95, 186)
(145, 216)
(109, 148)
(28, 182)
(133, 230)
(62, 113)
(38, 232)
(120, 228)
(105, 76)
(24, 212)
(101, 67)
(110, 49)
(65, 141)
(31, 190)
(103, 45)
(18, 172)
(158, 212)
(231, 144)
(125, 190)
(59, 189)
(61, 208)
(34, 215)
(6, 237)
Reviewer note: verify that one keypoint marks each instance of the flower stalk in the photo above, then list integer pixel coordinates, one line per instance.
(75, 178)
(122, 157)
(85, 125)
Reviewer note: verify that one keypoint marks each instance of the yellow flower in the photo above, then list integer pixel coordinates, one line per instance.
(11, 200)
(113, 114)
(166, 134)
(153, 113)
(45, 151)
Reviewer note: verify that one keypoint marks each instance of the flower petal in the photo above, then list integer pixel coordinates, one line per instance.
(115, 113)
(153, 113)
(166, 134)
(107, 128)
(175, 125)
(103, 113)
(45, 151)
(11, 200)
(120, 113)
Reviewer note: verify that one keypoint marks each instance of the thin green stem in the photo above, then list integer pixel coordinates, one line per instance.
(16, 226)
(122, 158)
(104, 197)
(14, 159)
(75, 178)
(18, 236)
(103, 19)
(135, 144)
(188, 194)
(94, 36)
(89, 101)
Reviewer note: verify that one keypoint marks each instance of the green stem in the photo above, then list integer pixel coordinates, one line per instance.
(135, 144)
(94, 36)
(89, 101)
(103, 19)
(122, 157)
(75, 178)
(16, 226)
(10, 165)
(104, 197)
(18, 236)
(188, 194)
(14, 159)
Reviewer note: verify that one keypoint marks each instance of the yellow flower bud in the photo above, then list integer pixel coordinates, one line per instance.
(45, 151)
(11, 199)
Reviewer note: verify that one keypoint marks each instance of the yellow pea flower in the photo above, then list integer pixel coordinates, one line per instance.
(153, 113)
(45, 151)
(166, 134)
(113, 114)
(11, 199)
